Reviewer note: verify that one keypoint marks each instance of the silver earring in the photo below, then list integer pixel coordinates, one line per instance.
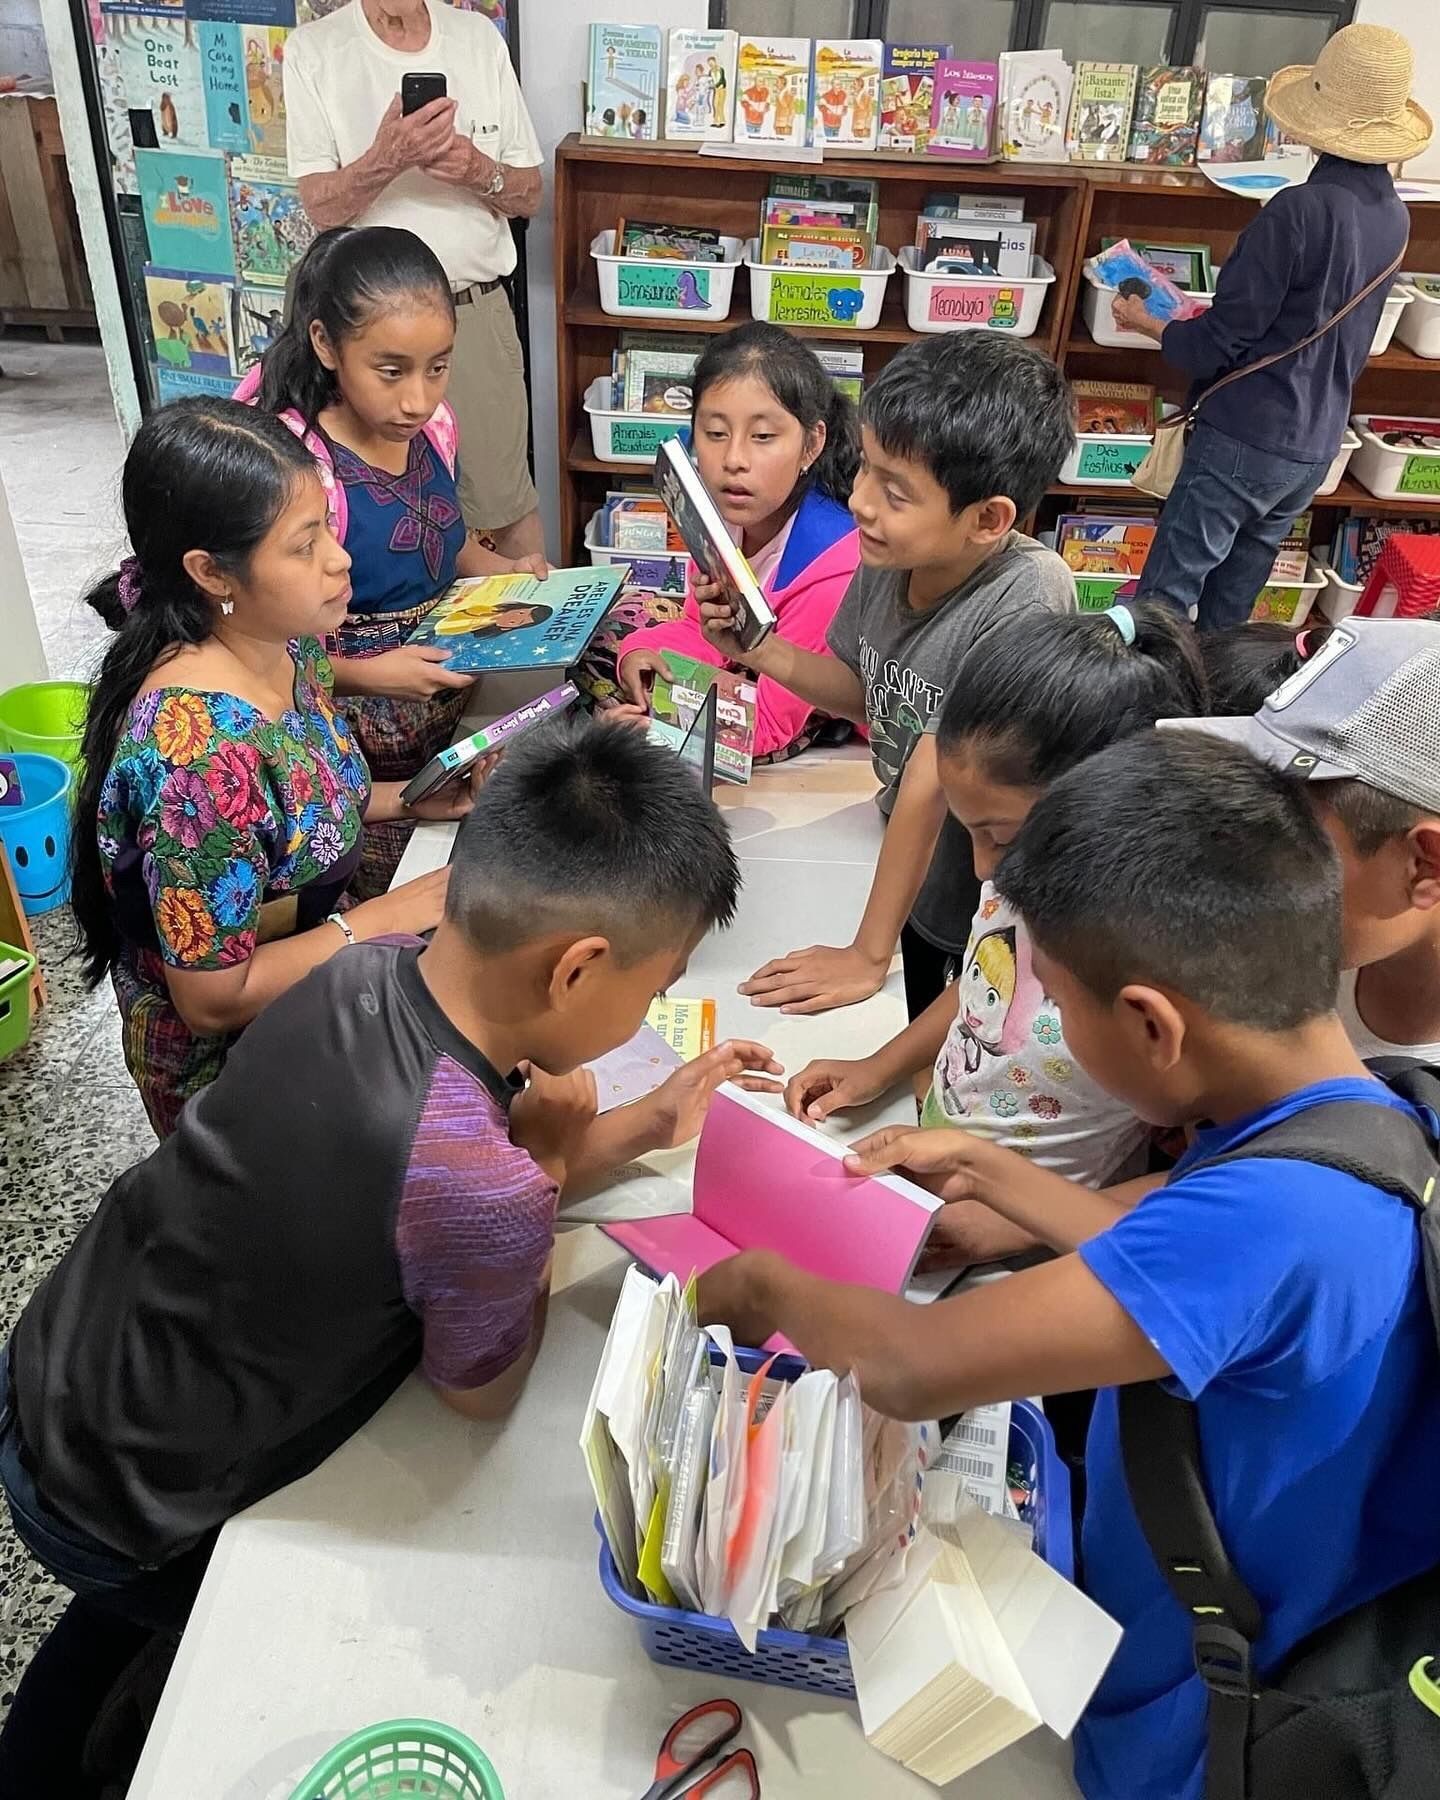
(227, 607)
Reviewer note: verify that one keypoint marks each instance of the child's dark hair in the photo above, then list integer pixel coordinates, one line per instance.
(347, 276)
(984, 414)
(1246, 663)
(1040, 692)
(1181, 862)
(587, 827)
(202, 474)
(792, 372)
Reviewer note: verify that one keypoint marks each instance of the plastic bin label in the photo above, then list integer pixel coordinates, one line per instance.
(642, 437)
(997, 307)
(1096, 593)
(642, 283)
(1110, 462)
(1277, 604)
(815, 299)
(1421, 475)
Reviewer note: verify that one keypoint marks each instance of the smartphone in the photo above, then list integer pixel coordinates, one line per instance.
(417, 91)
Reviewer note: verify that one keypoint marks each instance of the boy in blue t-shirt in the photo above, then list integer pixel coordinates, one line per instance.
(1184, 905)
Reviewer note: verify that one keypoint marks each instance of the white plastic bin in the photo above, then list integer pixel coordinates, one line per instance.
(1102, 327)
(627, 437)
(1289, 603)
(1340, 597)
(1397, 471)
(974, 302)
(832, 298)
(1349, 444)
(671, 566)
(1418, 328)
(1400, 297)
(643, 287)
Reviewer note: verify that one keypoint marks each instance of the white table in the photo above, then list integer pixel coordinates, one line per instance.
(447, 1570)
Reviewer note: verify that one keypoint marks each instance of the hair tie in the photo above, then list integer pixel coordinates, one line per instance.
(1123, 620)
(1302, 644)
(129, 583)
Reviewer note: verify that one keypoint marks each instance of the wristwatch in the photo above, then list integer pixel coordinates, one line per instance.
(497, 184)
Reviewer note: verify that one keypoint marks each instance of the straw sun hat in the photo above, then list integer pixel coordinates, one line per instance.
(1354, 100)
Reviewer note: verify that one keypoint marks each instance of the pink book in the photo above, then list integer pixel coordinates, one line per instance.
(963, 110)
(763, 1181)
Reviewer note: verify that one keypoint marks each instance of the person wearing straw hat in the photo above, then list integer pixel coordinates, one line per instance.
(1274, 361)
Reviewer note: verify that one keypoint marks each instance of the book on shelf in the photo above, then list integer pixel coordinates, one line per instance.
(1034, 105)
(1105, 543)
(965, 247)
(1101, 105)
(639, 523)
(1292, 559)
(678, 483)
(622, 95)
(816, 246)
(821, 191)
(846, 369)
(989, 208)
(1187, 265)
(1404, 433)
(964, 109)
(668, 243)
(1232, 122)
(1166, 125)
(1122, 267)
(907, 95)
(655, 380)
(699, 85)
(679, 694)
(772, 82)
(780, 209)
(845, 93)
(1124, 407)
(1358, 543)
(519, 621)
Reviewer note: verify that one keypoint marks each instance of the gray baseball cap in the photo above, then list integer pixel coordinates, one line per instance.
(1365, 707)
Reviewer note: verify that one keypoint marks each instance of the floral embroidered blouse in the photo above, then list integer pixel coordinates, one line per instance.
(220, 828)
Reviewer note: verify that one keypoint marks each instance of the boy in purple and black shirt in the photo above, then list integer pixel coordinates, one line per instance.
(364, 1189)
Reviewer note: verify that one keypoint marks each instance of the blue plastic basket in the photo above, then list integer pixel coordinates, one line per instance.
(687, 1640)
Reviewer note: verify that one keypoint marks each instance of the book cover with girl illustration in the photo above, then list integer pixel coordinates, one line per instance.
(699, 81)
(964, 110)
(519, 621)
(263, 48)
(623, 92)
(772, 80)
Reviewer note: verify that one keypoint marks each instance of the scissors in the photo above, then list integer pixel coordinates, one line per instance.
(706, 1730)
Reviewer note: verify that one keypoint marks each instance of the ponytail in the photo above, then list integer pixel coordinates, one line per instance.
(1248, 662)
(346, 279)
(1038, 694)
(201, 474)
(794, 375)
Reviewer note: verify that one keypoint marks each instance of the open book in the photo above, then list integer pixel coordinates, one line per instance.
(765, 1181)
(688, 502)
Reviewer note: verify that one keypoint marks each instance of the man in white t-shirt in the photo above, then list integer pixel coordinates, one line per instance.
(455, 173)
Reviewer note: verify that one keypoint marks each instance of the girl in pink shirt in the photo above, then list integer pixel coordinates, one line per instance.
(778, 447)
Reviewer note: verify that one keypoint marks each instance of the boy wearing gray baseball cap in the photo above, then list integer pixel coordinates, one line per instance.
(1360, 721)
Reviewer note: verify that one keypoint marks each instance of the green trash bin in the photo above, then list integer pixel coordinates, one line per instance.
(46, 717)
(403, 1759)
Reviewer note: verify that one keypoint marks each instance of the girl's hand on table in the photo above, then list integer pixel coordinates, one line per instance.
(816, 979)
(414, 906)
(824, 1087)
(413, 672)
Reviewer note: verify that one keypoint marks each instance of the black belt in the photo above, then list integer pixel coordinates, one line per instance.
(477, 290)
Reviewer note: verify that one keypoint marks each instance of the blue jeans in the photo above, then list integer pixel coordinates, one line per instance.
(1224, 520)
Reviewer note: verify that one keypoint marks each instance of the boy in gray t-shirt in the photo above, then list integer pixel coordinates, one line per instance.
(962, 434)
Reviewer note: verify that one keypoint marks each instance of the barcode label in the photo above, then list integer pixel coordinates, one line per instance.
(979, 1495)
(969, 1433)
(960, 1464)
(976, 1450)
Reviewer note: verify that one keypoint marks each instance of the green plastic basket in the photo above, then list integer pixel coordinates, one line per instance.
(15, 1001)
(403, 1759)
(45, 717)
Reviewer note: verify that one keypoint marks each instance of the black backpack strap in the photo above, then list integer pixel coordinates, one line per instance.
(1383, 1148)
(1160, 1447)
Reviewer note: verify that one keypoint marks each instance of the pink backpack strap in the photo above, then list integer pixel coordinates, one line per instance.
(444, 433)
(324, 467)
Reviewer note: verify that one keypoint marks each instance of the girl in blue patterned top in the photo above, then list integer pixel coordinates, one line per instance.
(220, 813)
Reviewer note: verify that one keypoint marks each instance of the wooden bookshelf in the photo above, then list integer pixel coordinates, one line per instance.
(1074, 206)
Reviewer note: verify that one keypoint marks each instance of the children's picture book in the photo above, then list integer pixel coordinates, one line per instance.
(989, 209)
(115, 108)
(519, 621)
(688, 502)
(846, 93)
(963, 111)
(687, 1026)
(1123, 407)
(1293, 555)
(699, 81)
(816, 246)
(963, 247)
(251, 12)
(1105, 543)
(263, 47)
(187, 211)
(1123, 268)
(679, 693)
(227, 102)
(1187, 265)
(772, 80)
(190, 319)
(159, 61)
(1101, 106)
(259, 317)
(656, 381)
(185, 384)
(1166, 125)
(623, 92)
(634, 1070)
(766, 1181)
(1034, 105)
(846, 369)
(1232, 123)
(907, 95)
(668, 243)
(272, 230)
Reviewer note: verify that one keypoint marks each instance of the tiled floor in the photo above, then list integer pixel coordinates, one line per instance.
(70, 1120)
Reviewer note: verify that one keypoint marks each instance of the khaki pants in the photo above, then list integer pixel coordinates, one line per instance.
(487, 391)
